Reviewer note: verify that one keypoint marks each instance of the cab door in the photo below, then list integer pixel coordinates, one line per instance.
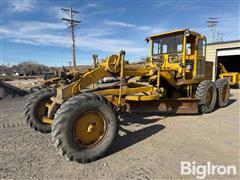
(199, 70)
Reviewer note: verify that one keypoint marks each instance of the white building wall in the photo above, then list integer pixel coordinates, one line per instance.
(211, 53)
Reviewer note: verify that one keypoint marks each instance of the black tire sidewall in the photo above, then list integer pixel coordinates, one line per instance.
(73, 150)
(201, 93)
(220, 83)
(214, 97)
(31, 110)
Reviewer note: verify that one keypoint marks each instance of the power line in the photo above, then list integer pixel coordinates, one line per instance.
(220, 36)
(212, 23)
(73, 23)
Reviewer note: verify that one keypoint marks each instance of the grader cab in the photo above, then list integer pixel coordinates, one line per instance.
(83, 118)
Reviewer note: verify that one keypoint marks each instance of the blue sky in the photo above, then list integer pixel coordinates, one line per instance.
(33, 30)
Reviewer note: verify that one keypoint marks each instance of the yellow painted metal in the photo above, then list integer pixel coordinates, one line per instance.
(151, 53)
(167, 76)
(182, 71)
(170, 33)
(195, 58)
(84, 81)
(89, 128)
(172, 71)
(134, 79)
(232, 77)
(158, 74)
(113, 63)
(126, 91)
(222, 68)
(121, 78)
(138, 70)
(143, 97)
(89, 78)
(47, 120)
(184, 56)
(51, 80)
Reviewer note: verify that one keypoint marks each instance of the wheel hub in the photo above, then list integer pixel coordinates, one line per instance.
(89, 128)
(209, 96)
(225, 93)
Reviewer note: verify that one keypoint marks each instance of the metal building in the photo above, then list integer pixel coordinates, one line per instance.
(227, 53)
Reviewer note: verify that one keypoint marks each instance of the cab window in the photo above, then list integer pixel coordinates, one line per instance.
(171, 44)
(201, 47)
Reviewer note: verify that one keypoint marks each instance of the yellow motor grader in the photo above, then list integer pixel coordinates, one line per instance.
(84, 121)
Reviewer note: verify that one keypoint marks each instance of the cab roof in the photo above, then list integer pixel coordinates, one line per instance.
(174, 32)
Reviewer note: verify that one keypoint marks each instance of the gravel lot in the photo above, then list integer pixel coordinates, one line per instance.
(150, 146)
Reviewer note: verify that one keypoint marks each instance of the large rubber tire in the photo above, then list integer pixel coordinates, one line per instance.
(203, 90)
(223, 92)
(32, 114)
(67, 116)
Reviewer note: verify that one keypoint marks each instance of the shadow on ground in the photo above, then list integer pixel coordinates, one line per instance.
(141, 118)
(130, 138)
(231, 101)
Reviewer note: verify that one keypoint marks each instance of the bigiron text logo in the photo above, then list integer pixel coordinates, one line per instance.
(201, 171)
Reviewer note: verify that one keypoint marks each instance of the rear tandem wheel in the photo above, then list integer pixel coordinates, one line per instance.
(223, 92)
(207, 94)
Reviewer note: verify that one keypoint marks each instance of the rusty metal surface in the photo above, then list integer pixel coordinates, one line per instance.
(168, 106)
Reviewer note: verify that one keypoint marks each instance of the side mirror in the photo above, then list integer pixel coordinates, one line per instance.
(147, 40)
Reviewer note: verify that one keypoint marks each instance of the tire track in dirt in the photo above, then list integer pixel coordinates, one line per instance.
(12, 125)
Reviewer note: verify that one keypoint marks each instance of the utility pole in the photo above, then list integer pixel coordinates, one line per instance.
(73, 23)
(212, 23)
(220, 36)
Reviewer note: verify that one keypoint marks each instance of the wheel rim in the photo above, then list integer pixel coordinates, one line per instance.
(225, 93)
(209, 96)
(89, 128)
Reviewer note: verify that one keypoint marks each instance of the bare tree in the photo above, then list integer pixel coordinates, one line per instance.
(29, 68)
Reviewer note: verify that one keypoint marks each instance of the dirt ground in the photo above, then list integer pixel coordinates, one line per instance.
(25, 83)
(150, 146)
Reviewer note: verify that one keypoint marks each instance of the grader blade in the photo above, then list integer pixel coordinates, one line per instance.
(168, 106)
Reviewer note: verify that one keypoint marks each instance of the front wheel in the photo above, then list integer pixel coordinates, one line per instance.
(84, 127)
(207, 94)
